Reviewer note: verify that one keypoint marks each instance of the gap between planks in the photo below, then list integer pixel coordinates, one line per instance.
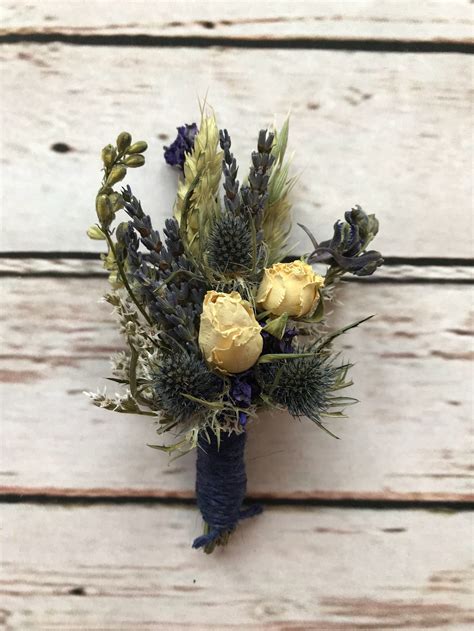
(416, 261)
(288, 43)
(387, 500)
(359, 19)
(88, 265)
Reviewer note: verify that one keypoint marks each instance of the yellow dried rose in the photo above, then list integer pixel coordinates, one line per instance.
(229, 335)
(290, 288)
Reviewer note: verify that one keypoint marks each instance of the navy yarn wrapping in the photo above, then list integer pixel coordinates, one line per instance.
(221, 483)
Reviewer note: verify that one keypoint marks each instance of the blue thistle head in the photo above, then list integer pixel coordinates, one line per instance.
(229, 246)
(303, 385)
(183, 374)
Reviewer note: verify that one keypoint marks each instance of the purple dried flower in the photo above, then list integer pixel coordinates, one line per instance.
(243, 417)
(241, 392)
(175, 154)
(243, 389)
(271, 344)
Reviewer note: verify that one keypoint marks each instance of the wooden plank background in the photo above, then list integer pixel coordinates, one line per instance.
(400, 20)
(413, 352)
(125, 567)
(392, 133)
(369, 532)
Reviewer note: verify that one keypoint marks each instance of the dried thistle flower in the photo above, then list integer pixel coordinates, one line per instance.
(180, 376)
(229, 246)
(305, 386)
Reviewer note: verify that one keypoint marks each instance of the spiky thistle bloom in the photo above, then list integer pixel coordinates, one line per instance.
(181, 374)
(304, 385)
(234, 245)
(229, 247)
(175, 154)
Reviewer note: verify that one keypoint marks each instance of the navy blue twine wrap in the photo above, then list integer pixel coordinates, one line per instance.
(221, 484)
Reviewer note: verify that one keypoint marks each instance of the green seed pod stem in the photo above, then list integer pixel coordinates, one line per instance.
(104, 210)
(109, 153)
(116, 200)
(124, 140)
(117, 173)
(95, 233)
(137, 147)
(121, 232)
(134, 161)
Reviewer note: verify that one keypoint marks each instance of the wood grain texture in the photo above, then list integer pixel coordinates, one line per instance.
(359, 19)
(122, 568)
(407, 439)
(392, 133)
(389, 131)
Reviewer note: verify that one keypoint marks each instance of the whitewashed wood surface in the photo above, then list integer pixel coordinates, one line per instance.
(125, 568)
(388, 130)
(400, 20)
(392, 134)
(399, 442)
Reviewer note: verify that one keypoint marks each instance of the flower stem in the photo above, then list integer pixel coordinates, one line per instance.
(123, 276)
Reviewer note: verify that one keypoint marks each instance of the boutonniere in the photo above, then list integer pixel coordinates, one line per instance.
(219, 319)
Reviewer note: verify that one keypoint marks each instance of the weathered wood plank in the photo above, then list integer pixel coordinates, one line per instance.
(357, 19)
(408, 438)
(130, 567)
(391, 132)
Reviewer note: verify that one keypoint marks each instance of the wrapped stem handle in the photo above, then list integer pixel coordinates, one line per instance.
(221, 484)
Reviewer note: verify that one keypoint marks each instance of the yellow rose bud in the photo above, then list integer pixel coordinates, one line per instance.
(290, 288)
(229, 336)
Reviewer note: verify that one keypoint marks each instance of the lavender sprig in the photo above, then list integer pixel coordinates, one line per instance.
(230, 170)
(255, 195)
(169, 284)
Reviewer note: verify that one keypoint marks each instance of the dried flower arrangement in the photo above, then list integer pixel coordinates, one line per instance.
(219, 322)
